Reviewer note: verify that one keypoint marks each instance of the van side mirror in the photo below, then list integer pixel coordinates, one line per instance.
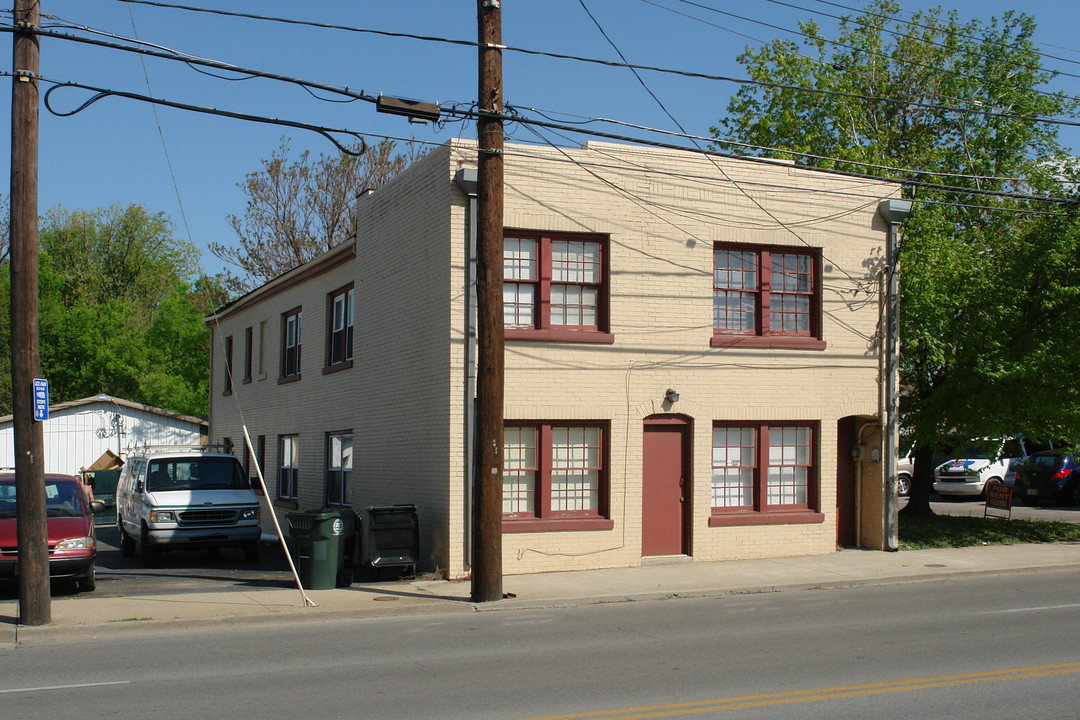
(97, 507)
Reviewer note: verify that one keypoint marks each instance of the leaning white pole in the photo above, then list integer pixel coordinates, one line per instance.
(308, 602)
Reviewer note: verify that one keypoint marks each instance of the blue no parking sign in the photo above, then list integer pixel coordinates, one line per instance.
(41, 399)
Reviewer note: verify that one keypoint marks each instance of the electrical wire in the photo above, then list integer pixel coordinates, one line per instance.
(834, 43)
(101, 93)
(918, 25)
(161, 134)
(166, 53)
(609, 63)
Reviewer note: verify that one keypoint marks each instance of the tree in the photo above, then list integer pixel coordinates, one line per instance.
(936, 103)
(299, 209)
(121, 310)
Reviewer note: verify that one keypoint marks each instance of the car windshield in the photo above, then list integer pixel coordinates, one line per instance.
(203, 473)
(63, 498)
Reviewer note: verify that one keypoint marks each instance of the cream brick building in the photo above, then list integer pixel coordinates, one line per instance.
(691, 355)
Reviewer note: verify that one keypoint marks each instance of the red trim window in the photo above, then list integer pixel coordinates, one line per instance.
(765, 469)
(291, 327)
(555, 287)
(555, 476)
(766, 297)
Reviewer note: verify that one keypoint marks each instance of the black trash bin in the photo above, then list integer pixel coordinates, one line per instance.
(391, 538)
(321, 541)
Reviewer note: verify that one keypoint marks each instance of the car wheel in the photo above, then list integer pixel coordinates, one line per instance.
(151, 554)
(903, 485)
(990, 483)
(127, 543)
(89, 583)
(251, 552)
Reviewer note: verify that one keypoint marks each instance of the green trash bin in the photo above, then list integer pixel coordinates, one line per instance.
(319, 538)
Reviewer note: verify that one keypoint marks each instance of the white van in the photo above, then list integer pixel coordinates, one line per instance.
(985, 462)
(185, 497)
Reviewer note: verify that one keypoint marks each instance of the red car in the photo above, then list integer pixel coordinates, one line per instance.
(72, 544)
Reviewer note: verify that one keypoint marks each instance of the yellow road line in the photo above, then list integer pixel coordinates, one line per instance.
(829, 693)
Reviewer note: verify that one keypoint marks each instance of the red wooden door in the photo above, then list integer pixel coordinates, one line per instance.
(665, 489)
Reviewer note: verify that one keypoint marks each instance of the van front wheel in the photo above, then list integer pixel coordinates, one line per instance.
(127, 543)
(151, 554)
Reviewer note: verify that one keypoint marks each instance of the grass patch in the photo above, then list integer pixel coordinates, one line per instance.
(947, 531)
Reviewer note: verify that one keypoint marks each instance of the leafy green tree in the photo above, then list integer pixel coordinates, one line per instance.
(298, 209)
(121, 310)
(936, 102)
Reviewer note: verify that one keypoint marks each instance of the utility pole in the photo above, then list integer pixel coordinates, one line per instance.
(487, 496)
(34, 602)
(894, 212)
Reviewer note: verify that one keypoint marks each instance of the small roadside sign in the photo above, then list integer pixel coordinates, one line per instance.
(41, 400)
(998, 497)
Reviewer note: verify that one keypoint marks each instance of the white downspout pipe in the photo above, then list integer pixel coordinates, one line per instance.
(466, 180)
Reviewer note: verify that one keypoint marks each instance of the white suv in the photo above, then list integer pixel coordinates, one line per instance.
(185, 497)
(983, 463)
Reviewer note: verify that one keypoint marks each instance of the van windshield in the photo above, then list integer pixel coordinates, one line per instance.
(203, 473)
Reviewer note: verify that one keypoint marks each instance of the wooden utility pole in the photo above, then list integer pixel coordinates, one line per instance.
(487, 496)
(34, 600)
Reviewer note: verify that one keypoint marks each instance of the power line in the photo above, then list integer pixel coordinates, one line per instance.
(834, 43)
(918, 25)
(170, 54)
(609, 63)
(101, 93)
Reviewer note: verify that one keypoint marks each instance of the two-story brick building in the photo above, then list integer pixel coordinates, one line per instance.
(692, 354)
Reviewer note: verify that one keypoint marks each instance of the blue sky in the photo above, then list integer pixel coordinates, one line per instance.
(114, 152)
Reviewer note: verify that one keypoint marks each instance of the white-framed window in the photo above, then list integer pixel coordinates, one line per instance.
(292, 331)
(288, 467)
(339, 462)
(341, 327)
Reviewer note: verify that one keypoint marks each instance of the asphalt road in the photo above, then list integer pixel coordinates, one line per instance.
(964, 648)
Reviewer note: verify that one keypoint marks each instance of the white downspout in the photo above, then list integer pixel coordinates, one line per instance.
(466, 180)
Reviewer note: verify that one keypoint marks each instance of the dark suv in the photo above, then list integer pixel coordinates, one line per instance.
(1050, 475)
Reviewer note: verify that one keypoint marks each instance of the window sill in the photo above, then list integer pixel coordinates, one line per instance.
(792, 517)
(513, 525)
(288, 379)
(226, 393)
(287, 504)
(779, 342)
(337, 367)
(569, 336)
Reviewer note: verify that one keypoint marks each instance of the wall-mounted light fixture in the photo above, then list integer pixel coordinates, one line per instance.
(671, 396)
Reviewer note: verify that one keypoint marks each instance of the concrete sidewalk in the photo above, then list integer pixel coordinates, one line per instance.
(90, 617)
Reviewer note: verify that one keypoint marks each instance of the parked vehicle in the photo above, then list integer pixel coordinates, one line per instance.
(984, 462)
(70, 529)
(185, 497)
(905, 470)
(1050, 476)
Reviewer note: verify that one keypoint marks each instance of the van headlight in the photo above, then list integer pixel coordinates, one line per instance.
(82, 543)
(162, 516)
(249, 514)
